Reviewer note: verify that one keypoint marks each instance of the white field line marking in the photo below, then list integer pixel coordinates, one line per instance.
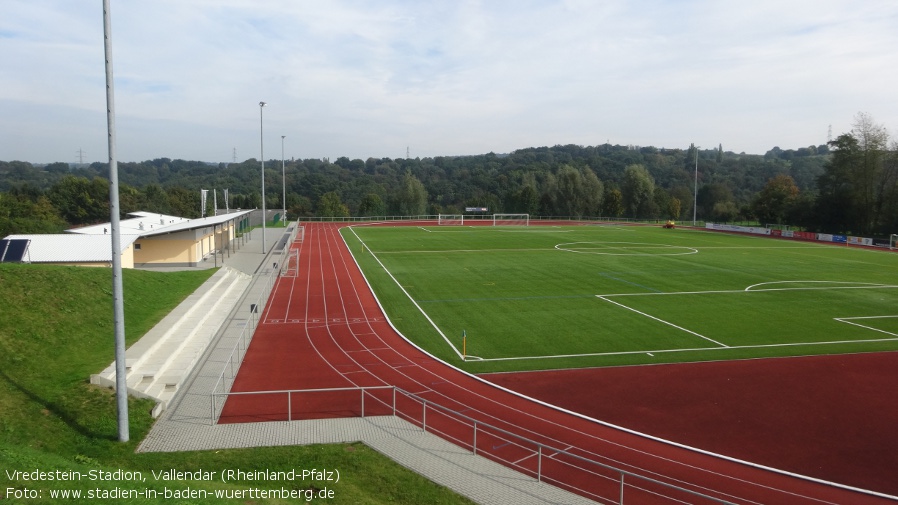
(843, 319)
(750, 290)
(499, 228)
(759, 346)
(456, 229)
(429, 320)
(612, 227)
(662, 321)
(660, 351)
(798, 246)
(856, 285)
(848, 320)
(624, 248)
(604, 297)
(441, 251)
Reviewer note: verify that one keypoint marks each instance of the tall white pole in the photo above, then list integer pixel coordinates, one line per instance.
(283, 183)
(118, 305)
(695, 200)
(262, 148)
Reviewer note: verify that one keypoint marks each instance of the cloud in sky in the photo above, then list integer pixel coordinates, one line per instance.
(359, 78)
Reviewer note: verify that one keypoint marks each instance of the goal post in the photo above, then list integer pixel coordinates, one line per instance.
(511, 219)
(451, 220)
(893, 242)
(291, 268)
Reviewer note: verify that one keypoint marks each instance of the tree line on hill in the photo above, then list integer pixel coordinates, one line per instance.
(849, 185)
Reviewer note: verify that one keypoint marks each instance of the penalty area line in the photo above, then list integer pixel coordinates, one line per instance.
(849, 320)
(662, 321)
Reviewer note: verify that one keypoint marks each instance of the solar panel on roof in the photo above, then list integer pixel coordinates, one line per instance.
(13, 250)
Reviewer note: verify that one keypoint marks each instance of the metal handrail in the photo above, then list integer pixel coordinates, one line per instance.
(247, 333)
(540, 448)
(291, 392)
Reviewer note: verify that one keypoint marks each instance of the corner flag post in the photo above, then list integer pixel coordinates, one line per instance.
(464, 345)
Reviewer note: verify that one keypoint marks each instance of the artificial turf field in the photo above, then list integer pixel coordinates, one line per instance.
(548, 297)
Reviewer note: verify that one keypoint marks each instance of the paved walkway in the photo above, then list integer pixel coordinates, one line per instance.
(186, 424)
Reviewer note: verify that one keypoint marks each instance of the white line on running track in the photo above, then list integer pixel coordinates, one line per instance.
(525, 458)
(567, 449)
(662, 321)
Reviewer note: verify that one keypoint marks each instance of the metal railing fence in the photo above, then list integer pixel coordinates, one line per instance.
(485, 218)
(570, 468)
(231, 365)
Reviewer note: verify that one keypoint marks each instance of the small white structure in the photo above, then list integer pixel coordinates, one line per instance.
(147, 240)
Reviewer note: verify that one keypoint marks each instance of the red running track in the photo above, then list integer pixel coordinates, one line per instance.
(829, 417)
(325, 329)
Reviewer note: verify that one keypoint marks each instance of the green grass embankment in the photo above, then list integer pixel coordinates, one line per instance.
(56, 330)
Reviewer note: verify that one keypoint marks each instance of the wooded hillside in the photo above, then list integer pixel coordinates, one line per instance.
(850, 185)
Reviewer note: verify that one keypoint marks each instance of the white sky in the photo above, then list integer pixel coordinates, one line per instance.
(371, 78)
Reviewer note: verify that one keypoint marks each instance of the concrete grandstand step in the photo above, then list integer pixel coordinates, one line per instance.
(164, 357)
(137, 355)
(184, 318)
(195, 326)
(178, 358)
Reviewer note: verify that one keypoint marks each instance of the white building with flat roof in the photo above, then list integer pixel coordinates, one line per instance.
(147, 239)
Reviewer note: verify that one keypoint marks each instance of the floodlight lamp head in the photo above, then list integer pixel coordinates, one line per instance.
(262, 104)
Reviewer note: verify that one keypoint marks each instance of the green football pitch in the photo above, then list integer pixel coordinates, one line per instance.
(491, 298)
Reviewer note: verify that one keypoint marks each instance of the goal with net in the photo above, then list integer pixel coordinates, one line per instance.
(451, 219)
(511, 219)
(291, 266)
(893, 242)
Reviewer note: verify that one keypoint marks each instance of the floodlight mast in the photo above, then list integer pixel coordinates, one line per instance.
(695, 197)
(262, 149)
(118, 306)
(283, 183)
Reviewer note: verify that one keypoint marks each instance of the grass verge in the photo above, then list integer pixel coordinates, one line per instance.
(56, 329)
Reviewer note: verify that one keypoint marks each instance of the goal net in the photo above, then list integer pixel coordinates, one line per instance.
(511, 219)
(291, 266)
(893, 242)
(451, 219)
